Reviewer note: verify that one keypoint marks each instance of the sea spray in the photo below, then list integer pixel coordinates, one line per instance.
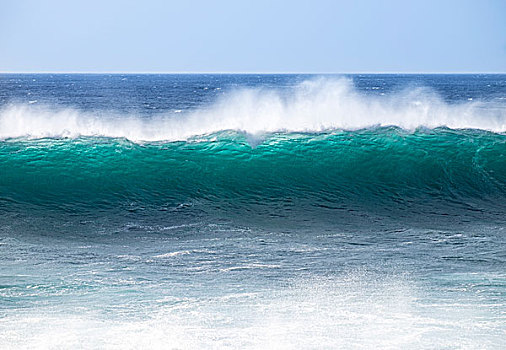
(311, 106)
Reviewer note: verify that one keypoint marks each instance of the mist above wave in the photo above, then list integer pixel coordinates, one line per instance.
(312, 106)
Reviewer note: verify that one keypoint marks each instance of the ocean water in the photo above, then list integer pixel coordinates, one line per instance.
(252, 211)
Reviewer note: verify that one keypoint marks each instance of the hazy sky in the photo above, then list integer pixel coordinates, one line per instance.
(253, 36)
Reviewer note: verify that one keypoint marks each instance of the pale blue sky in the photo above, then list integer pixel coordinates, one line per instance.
(253, 36)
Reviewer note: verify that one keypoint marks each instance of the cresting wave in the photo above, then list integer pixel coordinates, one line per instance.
(312, 106)
(319, 147)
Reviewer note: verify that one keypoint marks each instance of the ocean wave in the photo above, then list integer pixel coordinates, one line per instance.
(312, 106)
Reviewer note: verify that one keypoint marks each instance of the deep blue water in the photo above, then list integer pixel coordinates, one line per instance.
(150, 94)
(252, 211)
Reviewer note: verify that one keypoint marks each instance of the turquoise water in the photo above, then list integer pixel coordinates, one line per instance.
(252, 211)
(381, 171)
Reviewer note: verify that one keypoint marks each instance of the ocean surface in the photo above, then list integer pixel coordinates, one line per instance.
(252, 211)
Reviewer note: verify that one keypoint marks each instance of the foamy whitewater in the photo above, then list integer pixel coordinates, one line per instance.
(314, 105)
(252, 211)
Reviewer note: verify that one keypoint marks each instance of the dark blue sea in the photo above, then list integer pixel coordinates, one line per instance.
(252, 211)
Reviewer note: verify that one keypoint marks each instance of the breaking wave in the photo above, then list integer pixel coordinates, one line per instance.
(312, 106)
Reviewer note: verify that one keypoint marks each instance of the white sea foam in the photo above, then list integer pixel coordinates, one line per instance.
(359, 311)
(312, 106)
(172, 254)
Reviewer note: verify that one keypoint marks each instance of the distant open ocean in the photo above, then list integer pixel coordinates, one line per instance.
(252, 211)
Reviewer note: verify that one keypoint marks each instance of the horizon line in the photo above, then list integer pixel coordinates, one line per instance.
(246, 72)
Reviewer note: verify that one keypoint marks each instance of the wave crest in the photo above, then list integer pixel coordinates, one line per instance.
(312, 106)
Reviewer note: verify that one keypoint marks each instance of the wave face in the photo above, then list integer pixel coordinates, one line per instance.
(439, 171)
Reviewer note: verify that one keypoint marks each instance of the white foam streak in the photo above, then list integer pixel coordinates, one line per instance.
(313, 106)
